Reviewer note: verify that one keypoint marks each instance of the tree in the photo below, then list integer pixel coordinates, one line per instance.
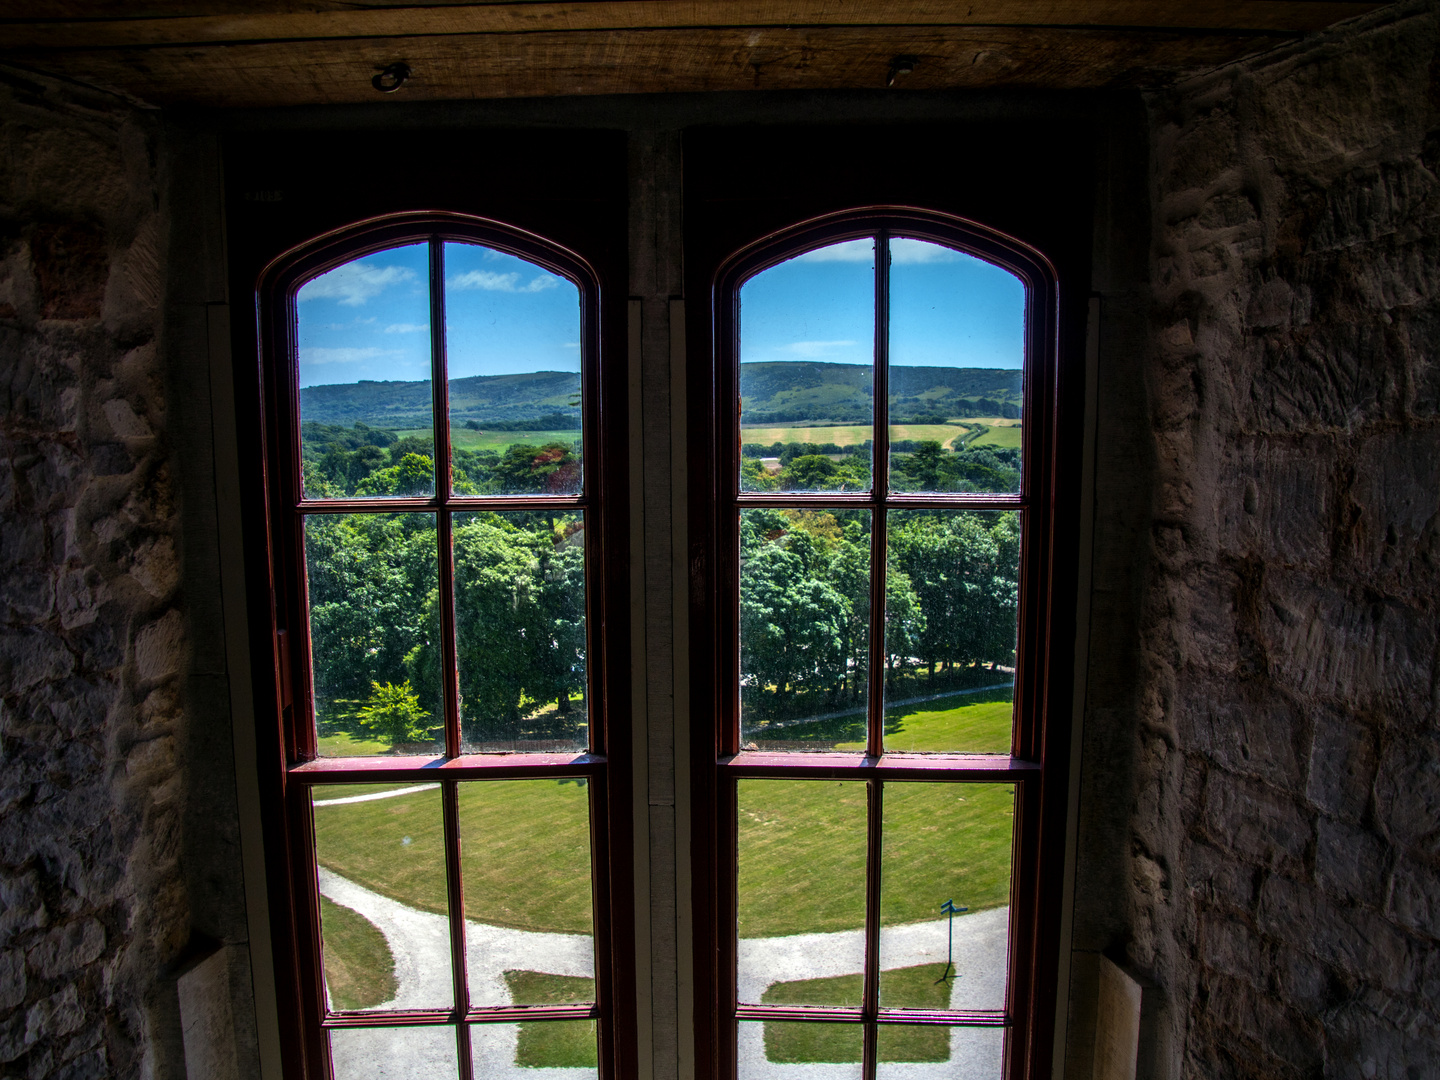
(792, 624)
(393, 713)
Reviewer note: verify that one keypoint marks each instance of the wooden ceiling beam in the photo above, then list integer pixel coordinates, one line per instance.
(461, 67)
(103, 31)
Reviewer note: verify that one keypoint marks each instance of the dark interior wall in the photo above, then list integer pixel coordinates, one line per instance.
(1263, 800)
(94, 646)
(1260, 797)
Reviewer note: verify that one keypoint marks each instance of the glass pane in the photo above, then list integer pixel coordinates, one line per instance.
(374, 632)
(971, 1053)
(539, 1044)
(957, 352)
(512, 345)
(800, 888)
(384, 926)
(945, 846)
(396, 1053)
(529, 904)
(807, 343)
(762, 1046)
(951, 617)
(520, 631)
(366, 411)
(804, 628)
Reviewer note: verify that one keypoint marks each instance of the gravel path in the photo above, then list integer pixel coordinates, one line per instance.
(420, 943)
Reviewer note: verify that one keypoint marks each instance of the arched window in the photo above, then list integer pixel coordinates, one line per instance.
(437, 568)
(883, 472)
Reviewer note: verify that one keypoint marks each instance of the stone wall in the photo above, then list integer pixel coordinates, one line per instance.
(93, 652)
(1281, 849)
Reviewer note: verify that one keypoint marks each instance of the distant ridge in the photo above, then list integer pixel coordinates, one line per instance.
(773, 393)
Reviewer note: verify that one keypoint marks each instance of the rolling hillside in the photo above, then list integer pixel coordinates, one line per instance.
(773, 393)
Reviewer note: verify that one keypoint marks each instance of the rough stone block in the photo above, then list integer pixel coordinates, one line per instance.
(67, 948)
(12, 979)
(1256, 822)
(1342, 765)
(1397, 491)
(1351, 864)
(1228, 945)
(1244, 737)
(159, 647)
(1274, 500)
(1415, 896)
(1355, 940)
(1407, 791)
(1329, 646)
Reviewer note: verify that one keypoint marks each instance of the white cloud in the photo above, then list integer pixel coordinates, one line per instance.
(341, 355)
(406, 328)
(490, 281)
(812, 349)
(353, 284)
(847, 251)
(904, 252)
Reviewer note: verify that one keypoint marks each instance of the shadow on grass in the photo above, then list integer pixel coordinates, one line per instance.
(932, 716)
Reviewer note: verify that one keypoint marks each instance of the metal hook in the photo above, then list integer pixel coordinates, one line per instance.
(901, 65)
(392, 78)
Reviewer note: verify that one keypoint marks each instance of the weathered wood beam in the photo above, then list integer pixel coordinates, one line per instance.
(457, 67)
(104, 31)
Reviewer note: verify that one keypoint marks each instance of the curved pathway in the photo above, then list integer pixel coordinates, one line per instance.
(420, 944)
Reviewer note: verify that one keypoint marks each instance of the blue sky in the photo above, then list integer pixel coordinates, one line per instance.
(370, 318)
(947, 309)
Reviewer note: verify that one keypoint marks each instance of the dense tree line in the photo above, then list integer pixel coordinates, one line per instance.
(520, 589)
(950, 602)
(914, 466)
(374, 599)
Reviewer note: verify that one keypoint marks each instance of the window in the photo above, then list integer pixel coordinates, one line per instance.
(882, 463)
(435, 467)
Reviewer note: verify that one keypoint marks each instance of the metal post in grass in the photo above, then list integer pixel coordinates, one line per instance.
(949, 908)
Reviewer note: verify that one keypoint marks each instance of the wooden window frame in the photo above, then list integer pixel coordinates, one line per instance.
(290, 827)
(1038, 771)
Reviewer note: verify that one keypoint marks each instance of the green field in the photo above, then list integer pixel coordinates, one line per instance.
(468, 439)
(359, 969)
(917, 987)
(971, 431)
(995, 432)
(801, 853)
(564, 1044)
(342, 744)
(960, 723)
(525, 855)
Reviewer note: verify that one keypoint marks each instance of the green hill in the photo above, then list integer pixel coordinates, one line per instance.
(490, 400)
(773, 393)
(819, 393)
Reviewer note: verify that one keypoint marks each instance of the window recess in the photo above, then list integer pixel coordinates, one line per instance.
(436, 537)
(882, 466)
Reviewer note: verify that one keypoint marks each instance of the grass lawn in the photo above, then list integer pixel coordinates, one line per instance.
(359, 969)
(469, 439)
(344, 745)
(998, 432)
(960, 723)
(525, 851)
(801, 853)
(915, 987)
(526, 855)
(562, 1044)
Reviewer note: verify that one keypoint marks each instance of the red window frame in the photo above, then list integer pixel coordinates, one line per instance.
(1039, 777)
(295, 896)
